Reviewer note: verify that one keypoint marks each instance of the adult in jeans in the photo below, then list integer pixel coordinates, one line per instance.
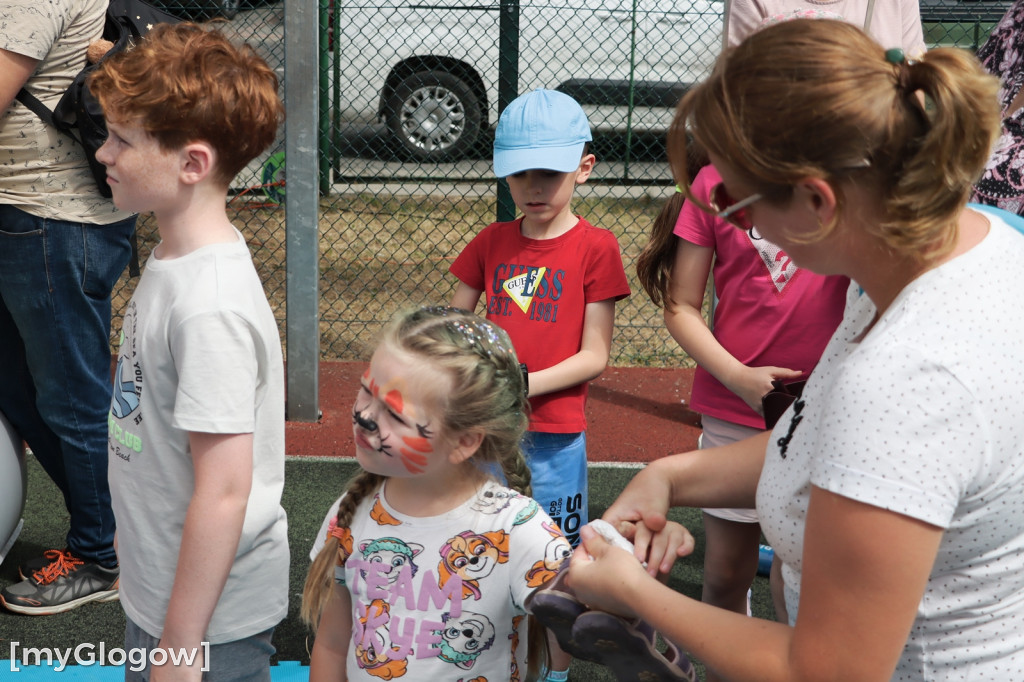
(62, 248)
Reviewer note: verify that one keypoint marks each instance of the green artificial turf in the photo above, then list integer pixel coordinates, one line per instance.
(311, 487)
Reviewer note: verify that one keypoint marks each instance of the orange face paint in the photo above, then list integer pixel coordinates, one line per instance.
(419, 444)
(394, 400)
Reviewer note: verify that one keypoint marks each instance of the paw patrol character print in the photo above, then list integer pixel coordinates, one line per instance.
(493, 500)
(555, 553)
(526, 513)
(472, 556)
(389, 556)
(465, 638)
(379, 514)
(370, 637)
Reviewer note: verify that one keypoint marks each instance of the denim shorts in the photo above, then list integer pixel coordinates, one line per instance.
(558, 465)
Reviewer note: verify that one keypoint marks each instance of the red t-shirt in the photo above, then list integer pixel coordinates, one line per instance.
(769, 311)
(537, 290)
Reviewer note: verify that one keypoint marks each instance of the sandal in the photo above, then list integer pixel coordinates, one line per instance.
(629, 649)
(556, 607)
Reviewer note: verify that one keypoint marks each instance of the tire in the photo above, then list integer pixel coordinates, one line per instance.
(225, 8)
(433, 116)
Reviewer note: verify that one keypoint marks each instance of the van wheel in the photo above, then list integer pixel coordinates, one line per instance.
(229, 8)
(433, 115)
(225, 8)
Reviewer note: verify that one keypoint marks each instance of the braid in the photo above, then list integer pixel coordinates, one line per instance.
(362, 485)
(517, 473)
(320, 579)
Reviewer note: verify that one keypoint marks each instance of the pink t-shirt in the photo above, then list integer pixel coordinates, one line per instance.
(769, 311)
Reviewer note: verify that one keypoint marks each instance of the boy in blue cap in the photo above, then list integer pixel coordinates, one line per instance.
(551, 281)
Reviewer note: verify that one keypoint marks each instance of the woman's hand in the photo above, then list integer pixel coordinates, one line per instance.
(603, 576)
(643, 502)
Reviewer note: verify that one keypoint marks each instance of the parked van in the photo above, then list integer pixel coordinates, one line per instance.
(429, 68)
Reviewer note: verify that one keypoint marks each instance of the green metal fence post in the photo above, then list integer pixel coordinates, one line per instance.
(324, 119)
(508, 85)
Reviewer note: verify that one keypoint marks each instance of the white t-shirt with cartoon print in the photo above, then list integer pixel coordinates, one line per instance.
(925, 417)
(441, 597)
(200, 352)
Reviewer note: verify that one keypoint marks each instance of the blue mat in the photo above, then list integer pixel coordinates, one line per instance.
(286, 671)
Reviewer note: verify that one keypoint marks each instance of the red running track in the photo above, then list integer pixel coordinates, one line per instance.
(634, 414)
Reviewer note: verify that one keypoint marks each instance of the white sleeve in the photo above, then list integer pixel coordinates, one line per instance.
(536, 549)
(903, 435)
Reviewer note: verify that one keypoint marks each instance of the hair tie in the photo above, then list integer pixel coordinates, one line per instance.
(679, 189)
(898, 58)
(895, 55)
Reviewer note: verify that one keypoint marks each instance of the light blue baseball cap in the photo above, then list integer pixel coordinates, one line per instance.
(541, 129)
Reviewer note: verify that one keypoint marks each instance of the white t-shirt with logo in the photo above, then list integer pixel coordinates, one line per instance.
(200, 351)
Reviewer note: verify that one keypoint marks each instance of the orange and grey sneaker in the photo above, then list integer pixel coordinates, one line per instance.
(30, 566)
(65, 583)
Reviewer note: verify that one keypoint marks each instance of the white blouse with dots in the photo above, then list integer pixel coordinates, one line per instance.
(925, 417)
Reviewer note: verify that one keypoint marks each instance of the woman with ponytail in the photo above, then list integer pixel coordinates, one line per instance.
(892, 489)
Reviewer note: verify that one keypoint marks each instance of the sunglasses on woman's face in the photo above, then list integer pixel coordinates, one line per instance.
(729, 209)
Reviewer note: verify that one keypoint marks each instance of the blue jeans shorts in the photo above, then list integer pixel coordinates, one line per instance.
(558, 465)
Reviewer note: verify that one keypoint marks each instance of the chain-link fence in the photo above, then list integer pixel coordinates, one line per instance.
(410, 93)
(255, 204)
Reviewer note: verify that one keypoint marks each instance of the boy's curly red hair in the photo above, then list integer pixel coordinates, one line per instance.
(184, 83)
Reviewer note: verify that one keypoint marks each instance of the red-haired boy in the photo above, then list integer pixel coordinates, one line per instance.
(196, 426)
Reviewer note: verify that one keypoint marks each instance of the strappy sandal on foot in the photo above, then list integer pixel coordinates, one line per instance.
(629, 649)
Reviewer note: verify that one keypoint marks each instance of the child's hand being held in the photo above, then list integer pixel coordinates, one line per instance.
(659, 550)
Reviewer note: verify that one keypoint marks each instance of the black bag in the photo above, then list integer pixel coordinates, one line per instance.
(778, 400)
(78, 114)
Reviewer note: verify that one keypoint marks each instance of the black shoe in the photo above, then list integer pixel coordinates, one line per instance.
(65, 583)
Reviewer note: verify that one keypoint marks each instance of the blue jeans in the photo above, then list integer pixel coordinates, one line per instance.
(55, 283)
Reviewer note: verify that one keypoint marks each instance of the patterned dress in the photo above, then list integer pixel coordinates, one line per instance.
(1002, 184)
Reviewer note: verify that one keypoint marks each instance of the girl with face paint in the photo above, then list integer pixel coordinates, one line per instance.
(423, 566)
